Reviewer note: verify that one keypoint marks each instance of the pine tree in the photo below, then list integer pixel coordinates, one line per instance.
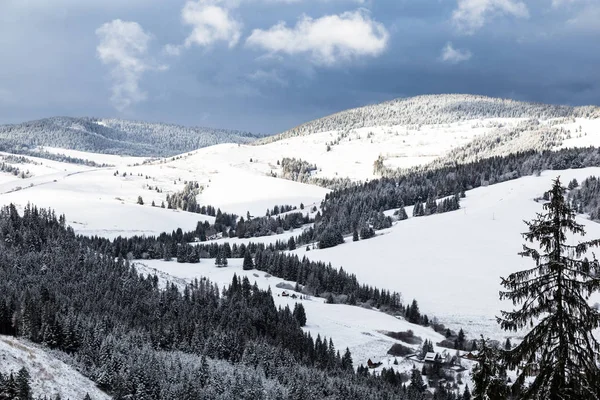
(430, 206)
(467, 393)
(299, 314)
(248, 263)
(460, 340)
(291, 244)
(22, 382)
(355, 236)
(140, 201)
(347, 360)
(401, 214)
(555, 292)
(488, 375)
(413, 314)
(416, 381)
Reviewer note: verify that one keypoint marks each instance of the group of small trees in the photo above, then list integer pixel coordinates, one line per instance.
(431, 206)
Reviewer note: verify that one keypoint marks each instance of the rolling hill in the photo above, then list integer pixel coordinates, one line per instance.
(114, 136)
(432, 110)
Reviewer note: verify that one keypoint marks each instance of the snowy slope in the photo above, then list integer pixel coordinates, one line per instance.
(359, 329)
(436, 109)
(49, 375)
(101, 201)
(452, 262)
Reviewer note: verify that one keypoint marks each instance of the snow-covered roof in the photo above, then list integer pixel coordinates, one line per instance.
(430, 356)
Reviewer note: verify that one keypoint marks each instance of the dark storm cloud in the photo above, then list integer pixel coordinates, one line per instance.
(297, 66)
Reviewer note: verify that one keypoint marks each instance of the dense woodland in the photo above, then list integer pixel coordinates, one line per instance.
(585, 198)
(201, 342)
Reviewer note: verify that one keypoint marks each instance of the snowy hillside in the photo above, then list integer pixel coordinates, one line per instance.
(49, 375)
(113, 136)
(103, 201)
(358, 145)
(452, 262)
(359, 329)
(371, 141)
(435, 109)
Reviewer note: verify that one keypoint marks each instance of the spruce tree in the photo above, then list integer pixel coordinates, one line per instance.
(413, 313)
(467, 393)
(22, 382)
(459, 343)
(555, 293)
(299, 314)
(248, 264)
(489, 377)
(401, 214)
(416, 381)
(347, 360)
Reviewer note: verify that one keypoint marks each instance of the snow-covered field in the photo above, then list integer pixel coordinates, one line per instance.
(49, 375)
(103, 201)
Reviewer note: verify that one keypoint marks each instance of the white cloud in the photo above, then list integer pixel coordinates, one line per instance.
(559, 3)
(124, 46)
(587, 20)
(271, 76)
(454, 56)
(211, 22)
(328, 39)
(472, 15)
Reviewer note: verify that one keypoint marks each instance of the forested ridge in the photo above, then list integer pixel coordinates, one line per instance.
(113, 136)
(201, 342)
(433, 109)
(342, 211)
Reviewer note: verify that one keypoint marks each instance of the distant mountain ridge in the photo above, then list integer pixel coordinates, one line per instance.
(433, 109)
(116, 136)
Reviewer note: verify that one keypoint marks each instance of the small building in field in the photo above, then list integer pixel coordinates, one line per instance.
(432, 357)
(470, 356)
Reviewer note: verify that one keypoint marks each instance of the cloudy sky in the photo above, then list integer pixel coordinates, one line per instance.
(268, 65)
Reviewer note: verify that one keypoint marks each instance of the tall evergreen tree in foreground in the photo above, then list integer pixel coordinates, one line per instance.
(555, 294)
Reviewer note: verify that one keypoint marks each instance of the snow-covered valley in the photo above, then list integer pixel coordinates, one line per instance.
(450, 262)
